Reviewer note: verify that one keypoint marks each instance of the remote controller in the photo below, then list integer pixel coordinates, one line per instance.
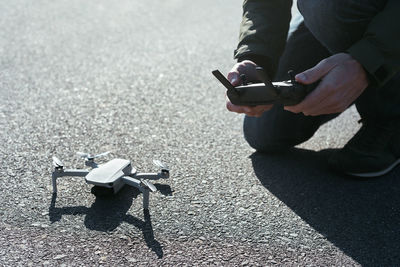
(287, 93)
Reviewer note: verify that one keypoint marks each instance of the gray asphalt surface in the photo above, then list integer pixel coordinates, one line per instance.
(134, 77)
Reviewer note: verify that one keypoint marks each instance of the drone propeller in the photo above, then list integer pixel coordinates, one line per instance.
(102, 154)
(90, 157)
(83, 155)
(148, 185)
(160, 164)
(57, 163)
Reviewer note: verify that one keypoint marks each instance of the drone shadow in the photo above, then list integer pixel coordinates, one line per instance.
(107, 213)
(164, 189)
(360, 217)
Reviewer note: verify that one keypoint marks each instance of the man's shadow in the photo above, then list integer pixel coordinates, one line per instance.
(108, 212)
(360, 217)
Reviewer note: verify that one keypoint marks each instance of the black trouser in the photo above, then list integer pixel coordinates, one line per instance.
(329, 27)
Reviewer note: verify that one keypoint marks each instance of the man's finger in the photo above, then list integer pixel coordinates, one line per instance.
(233, 108)
(315, 73)
(258, 110)
(234, 78)
(293, 109)
(239, 109)
(318, 109)
(313, 99)
(300, 107)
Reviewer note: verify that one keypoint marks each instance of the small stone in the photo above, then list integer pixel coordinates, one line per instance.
(59, 257)
(130, 259)
(123, 237)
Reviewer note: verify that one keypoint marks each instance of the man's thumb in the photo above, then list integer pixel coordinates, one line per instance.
(315, 73)
(233, 77)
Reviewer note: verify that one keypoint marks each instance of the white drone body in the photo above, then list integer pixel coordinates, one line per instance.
(113, 174)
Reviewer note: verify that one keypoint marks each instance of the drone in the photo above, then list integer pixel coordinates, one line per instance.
(111, 176)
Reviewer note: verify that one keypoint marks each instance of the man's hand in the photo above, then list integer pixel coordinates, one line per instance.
(247, 68)
(342, 81)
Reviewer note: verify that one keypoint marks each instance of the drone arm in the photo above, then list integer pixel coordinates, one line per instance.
(146, 197)
(61, 173)
(137, 183)
(132, 182)
(151, 176)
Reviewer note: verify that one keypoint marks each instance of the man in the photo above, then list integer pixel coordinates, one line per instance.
(352, 47)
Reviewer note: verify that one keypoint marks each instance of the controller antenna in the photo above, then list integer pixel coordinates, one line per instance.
(225, 81)
(292, 76)
(243, 78)
(262, 75)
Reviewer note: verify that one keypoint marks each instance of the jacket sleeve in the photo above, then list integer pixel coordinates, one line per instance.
(263, 32)
(379, 49)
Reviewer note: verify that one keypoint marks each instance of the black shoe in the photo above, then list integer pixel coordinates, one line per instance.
(372, 152)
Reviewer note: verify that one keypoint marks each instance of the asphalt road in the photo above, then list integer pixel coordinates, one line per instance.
(134, 77)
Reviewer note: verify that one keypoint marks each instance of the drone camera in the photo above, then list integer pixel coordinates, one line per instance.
(89, 163)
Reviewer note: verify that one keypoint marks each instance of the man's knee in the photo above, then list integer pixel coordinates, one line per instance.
(263, 143)
(278, 130)
(274, 135)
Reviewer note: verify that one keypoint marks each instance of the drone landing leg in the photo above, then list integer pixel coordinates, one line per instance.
(62, 173)
(54, 181)
(138, 184)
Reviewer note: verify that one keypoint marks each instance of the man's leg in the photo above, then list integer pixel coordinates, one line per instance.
(278, 129)
(338, 24)
(375, 149)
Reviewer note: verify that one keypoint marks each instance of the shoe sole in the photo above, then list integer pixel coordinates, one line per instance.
(375, 174)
